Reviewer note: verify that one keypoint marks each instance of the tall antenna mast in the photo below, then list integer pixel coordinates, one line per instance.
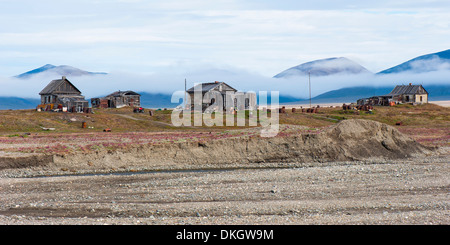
(309, 75)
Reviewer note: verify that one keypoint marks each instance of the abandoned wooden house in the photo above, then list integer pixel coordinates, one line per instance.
(118, 99)
(415, 94)
(62, 95)
(210, 91)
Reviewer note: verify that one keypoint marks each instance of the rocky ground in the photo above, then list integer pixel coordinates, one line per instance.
(357, 172)
(412, 191)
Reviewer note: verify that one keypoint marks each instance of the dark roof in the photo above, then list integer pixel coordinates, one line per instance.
(407, 89)
(55, 84)
(122, 93)
(208, 86)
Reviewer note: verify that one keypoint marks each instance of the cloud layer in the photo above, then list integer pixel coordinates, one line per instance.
(154, 46)
(169, 81)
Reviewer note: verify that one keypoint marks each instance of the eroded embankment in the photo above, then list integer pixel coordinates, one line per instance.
(24, 160)
(346, 141)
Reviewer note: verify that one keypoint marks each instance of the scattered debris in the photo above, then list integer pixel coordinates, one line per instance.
(346, 107)
(364, 107)
(138, 110)
(312, 110)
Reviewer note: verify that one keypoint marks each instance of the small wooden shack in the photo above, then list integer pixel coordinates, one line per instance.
(408, 94)
(415, 94)
(61, 94)
(118, 99)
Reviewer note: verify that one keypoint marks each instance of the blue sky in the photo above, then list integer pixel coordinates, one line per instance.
(259, 37)
(264, 37)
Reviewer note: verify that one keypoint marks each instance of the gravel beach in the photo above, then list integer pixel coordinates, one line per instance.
(411, 191)
(357, 172)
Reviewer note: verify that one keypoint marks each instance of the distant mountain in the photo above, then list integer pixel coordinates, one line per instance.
(62, 70)
(424, 63)
(324, 67)
(344, 95)
(16, 103)
(352, 94)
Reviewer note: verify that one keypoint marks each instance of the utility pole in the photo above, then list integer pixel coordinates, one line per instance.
(184, 102)
(309, 75)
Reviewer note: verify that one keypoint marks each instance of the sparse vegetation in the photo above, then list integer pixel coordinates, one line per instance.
(23, 130)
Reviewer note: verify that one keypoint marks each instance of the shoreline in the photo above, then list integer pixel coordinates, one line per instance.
(443, 103)
(290, 105)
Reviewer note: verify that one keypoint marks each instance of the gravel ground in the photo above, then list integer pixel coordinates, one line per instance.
(412, 191)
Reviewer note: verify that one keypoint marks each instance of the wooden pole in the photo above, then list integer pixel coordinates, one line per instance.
(309, 75)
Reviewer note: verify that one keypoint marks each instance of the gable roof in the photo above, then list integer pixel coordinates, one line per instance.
(407, 89)
(208, 87)
(55, 85)
(122, 93)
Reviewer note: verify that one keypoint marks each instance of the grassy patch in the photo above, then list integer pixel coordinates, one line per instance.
(25, 129)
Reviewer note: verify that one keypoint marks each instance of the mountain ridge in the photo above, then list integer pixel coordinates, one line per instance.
(341, 65)
(325, 67)
(423, 63)
(160, 100)
(352, 94)
(61, 70)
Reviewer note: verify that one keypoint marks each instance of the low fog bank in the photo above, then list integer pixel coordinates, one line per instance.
(169, 81)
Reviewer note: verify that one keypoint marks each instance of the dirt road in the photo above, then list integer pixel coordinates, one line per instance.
(414, 191)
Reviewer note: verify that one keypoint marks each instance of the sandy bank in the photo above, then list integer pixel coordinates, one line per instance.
(349, 140)
(444, 103)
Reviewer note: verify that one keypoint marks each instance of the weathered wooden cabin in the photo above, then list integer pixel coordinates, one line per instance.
(61, 94)
(415, 94)
(408, 94)
(209, 99)
(118, 99)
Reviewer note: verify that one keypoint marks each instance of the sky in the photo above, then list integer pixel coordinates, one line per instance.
(154, 42)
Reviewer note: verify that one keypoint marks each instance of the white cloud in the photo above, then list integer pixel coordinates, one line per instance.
(171, 80)
(264, 37)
